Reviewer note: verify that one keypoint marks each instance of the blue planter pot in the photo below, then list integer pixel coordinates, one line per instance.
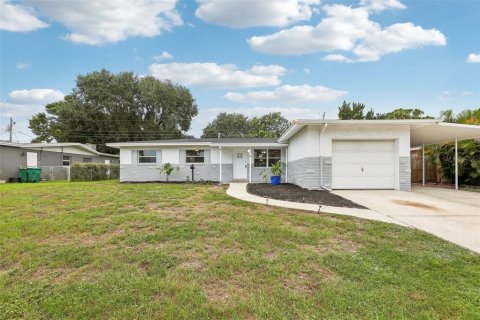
(275, 180)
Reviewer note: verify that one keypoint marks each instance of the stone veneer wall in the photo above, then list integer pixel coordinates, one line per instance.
(307, 172)
(206, 172)
(405, 174)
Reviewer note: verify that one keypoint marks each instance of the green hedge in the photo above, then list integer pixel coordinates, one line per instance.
(94, 171)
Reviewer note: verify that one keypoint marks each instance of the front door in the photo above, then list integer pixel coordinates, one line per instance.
(240, 162)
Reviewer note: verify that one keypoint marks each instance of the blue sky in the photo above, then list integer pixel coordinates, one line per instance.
(300, 57)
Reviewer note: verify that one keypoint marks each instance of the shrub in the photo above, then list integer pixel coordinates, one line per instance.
(468, 162)
(94, 171)
(167, 170)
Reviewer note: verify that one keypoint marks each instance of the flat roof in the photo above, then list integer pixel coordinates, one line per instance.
(442, 132)
(422, 131)
(218, 142)
(65, 144)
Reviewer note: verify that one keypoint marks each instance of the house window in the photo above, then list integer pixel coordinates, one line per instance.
(147, 156)
(87, 160)
(66, 161)
(195, 156)
(239, 155)
(266, 157)
(274, 156)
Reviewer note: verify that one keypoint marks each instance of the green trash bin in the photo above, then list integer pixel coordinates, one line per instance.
(23, 175)
(34, 174)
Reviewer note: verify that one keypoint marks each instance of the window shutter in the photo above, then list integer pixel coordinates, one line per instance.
(183, 155)
(159, 157)
(134, 157)
(207, 155)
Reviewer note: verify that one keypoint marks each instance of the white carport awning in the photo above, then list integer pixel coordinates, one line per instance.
(442, 132)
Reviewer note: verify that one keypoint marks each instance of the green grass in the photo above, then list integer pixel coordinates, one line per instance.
(143, 251)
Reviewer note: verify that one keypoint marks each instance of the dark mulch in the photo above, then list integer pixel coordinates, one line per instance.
(291, 192)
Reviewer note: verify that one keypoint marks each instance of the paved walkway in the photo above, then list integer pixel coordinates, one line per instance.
(239, 190)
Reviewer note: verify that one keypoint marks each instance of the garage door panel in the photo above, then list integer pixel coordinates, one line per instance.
(363, 165)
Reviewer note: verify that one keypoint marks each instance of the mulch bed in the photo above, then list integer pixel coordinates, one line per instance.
(291, 192)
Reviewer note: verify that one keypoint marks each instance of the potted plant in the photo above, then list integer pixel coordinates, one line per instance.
(276, 171)
(167, 169)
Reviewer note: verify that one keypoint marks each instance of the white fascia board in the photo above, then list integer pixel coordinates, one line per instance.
(156, 144)
(46, 146)
(246, 144)
(108, 155)
(195, 144)
(365, 122)
(294, 128)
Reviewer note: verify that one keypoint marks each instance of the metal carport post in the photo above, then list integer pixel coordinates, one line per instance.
(456, 163)
(425, 133)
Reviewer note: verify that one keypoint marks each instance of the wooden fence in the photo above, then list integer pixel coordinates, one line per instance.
(433, 173)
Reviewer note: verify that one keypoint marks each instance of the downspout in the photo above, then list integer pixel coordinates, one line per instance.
(286, 164)
(220, 163)
(250, 165)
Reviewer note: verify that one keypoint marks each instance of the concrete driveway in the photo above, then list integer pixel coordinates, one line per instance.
(448, 214)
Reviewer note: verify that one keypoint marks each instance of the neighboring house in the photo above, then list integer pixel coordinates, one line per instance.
(48, 156)
(320, 154)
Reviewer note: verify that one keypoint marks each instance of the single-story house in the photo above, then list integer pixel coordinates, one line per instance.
(48, 156)
(319, 154)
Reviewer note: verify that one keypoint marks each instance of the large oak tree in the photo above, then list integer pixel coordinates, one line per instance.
(106, 107)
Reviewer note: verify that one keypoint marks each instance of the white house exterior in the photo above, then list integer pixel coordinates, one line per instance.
(222, 160)
(319, 154)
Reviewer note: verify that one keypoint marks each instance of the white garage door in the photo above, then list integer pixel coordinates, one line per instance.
(363, 165)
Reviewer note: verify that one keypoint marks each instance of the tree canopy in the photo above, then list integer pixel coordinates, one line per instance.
(271, 125)
(468, 116)
(229, 125)
(235, 125)
(355, 111)
(107, 107)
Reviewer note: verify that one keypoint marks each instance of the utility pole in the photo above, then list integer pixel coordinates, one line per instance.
(10, 129)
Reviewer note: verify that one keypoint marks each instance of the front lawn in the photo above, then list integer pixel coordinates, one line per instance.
(170, 251)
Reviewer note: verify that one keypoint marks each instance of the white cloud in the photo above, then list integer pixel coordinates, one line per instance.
(22, 105)
(244, 14)
(99, 22)
(473, 58)
(35, 96)
(213, 75)
(336, 58)
(381, 5)
(19, 110)
(349, 30)
(288, 94)
(21, 65)
(396, 38)
(18, 18)
(454, 94)
(163, 56)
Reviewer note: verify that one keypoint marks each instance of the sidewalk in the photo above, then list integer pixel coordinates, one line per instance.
(239, 190)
